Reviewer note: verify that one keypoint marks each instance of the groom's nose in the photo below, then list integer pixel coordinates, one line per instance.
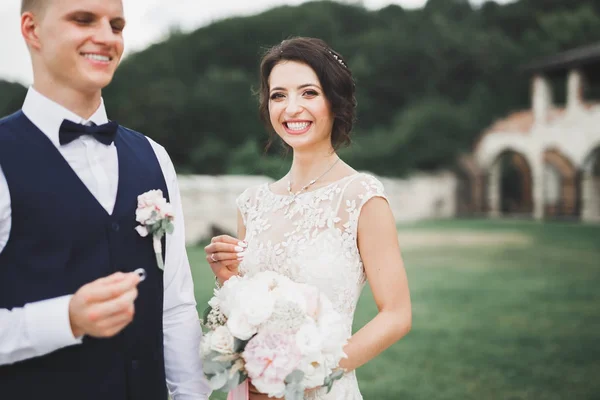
(105, 34)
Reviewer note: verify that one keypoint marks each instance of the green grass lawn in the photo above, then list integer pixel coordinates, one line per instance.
(490, 321)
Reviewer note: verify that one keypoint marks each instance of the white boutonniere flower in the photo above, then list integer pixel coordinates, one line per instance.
(155, 215)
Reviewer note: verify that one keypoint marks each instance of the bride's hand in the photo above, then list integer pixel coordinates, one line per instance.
(224, 254)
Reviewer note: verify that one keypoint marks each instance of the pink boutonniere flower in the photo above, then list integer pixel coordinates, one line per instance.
(155, 216)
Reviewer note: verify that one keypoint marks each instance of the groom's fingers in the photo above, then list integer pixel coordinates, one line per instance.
(105, 289)
(113, 325)
(116, 277)
(100, 299)
(120, 305)
(104, 319)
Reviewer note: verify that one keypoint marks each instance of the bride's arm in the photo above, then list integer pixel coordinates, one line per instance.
(380, 252)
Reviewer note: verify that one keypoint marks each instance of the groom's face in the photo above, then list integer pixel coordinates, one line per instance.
(79, 42)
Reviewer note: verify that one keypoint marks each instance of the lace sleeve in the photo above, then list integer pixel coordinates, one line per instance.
(357, 194)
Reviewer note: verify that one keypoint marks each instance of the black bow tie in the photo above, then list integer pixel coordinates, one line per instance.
(70, 131)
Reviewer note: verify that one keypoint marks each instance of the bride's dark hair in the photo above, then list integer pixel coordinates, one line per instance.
(333, 73)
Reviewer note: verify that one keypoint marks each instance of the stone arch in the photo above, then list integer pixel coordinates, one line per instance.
(590, 186)
(510, 185)
(469, 187)
(560, 185)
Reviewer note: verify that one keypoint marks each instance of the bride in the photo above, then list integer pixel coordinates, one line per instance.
(323, 223)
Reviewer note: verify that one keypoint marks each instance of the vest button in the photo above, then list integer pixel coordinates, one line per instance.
(134, 364)
(115, 227)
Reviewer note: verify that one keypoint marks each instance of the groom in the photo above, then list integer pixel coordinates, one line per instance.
(76, 322)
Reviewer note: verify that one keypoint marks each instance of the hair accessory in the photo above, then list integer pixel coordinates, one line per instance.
(338, 58)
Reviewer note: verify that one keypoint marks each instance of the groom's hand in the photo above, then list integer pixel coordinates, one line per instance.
(104, 307)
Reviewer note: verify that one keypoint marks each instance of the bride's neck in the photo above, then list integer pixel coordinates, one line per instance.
(310, 165)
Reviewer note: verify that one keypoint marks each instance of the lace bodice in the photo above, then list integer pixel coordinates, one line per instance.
(312, 239)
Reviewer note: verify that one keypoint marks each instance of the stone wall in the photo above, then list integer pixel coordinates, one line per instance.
(209, 201)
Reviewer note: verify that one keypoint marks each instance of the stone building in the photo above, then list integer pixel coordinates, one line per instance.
(543, 162)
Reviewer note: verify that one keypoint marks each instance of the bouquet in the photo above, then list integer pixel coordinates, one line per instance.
(285, 336)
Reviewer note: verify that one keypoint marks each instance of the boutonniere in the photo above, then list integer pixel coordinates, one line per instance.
(155, 215)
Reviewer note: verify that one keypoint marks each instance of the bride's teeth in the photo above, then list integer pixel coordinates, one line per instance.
(97, 57)
(297, 126)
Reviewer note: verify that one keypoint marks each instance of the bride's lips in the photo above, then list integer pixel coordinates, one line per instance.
(297, 127)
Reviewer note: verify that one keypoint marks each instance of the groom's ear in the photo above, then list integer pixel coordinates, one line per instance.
(30, 30)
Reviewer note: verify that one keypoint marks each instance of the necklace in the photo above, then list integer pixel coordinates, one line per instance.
(309, 184)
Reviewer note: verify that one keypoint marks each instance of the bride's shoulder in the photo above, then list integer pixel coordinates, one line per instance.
(253, 191)
(364, 183)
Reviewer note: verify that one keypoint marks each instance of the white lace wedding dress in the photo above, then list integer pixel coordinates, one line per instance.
(312, 239)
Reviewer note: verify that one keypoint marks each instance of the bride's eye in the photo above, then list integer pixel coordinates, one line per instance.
(276, 96)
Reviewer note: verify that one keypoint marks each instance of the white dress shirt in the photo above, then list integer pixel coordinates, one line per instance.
(42, 327)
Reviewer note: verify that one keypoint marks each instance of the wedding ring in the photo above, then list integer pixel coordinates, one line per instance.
(212, 257)
(141, 273)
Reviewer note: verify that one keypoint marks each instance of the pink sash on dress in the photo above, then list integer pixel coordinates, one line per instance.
(240, 392)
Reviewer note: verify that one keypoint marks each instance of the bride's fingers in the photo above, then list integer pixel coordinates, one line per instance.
(225, 239)
(224, 271)
(225, 248)
(223, 257)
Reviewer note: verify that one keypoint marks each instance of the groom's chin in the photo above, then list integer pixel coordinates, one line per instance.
(98, 81)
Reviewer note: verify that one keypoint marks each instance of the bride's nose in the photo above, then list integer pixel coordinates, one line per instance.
(293, 107)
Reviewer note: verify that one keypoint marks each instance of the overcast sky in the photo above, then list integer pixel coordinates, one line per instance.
(147, 22)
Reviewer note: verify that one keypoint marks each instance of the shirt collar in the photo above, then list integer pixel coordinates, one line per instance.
(48, 115)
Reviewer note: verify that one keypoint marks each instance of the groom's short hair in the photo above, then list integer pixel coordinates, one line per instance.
(32, 5)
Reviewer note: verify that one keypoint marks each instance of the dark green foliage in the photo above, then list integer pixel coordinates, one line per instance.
(429, 81)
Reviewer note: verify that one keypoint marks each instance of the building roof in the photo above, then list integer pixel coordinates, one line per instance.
(580, 57)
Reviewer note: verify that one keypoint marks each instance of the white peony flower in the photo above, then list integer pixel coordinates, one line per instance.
(309, 341)
(314, 373)
(225, 298)
(258, 303)
(222, 341)
(239, 326)
(205, 344)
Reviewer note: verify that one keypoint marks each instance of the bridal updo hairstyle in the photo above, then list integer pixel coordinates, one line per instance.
(333, 73)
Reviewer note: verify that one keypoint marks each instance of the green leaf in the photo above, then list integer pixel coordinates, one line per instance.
(239, 345)
(219, 381)
(295, 376)
(334, 376)
(207, 311)
(234, 381)
(294, 391)
(170, 228)
(212, 366)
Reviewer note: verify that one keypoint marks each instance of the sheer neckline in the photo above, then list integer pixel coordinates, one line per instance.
(268, 187)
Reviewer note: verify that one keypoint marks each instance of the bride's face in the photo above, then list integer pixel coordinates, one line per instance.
(298, 109)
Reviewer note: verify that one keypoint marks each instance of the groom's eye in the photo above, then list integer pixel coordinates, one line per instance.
(83, 18)
(117, 27)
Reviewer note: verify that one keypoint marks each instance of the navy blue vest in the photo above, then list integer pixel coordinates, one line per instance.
(62, 238)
